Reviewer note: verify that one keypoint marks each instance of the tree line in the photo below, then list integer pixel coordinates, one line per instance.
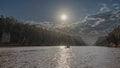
(22, 33)
(112, 39)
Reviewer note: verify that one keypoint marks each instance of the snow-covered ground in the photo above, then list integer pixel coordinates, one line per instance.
(60, 57)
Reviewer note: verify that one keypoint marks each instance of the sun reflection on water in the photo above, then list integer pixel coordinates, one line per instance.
(64, 57)
(62, 47)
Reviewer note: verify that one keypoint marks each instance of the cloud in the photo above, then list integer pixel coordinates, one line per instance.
(116, 6)
(52, 25)
(31, 22)
(92, 18)
(44, 24)
(104, 8)
(98, 22)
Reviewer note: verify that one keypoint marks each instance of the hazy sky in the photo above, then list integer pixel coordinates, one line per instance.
(49, 10)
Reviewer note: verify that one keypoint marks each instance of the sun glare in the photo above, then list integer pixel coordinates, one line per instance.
(62, 47)
(63, 17)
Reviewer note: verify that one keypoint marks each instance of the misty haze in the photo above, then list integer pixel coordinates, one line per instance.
(60, 34)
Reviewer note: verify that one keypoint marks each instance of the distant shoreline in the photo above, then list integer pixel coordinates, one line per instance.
(32, 45)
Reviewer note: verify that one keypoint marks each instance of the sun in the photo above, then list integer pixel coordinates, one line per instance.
(63, 17)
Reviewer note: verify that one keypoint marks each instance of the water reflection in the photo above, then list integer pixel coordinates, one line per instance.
(64, 57)
(62, 47)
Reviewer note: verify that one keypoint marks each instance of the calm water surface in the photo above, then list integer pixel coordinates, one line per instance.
(60, 57)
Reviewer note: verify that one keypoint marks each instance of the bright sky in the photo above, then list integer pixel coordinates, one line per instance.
(49, 10)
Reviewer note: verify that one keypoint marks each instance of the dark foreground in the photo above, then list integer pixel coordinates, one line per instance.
(60, 57)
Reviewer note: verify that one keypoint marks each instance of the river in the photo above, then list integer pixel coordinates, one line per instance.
(60, 57)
